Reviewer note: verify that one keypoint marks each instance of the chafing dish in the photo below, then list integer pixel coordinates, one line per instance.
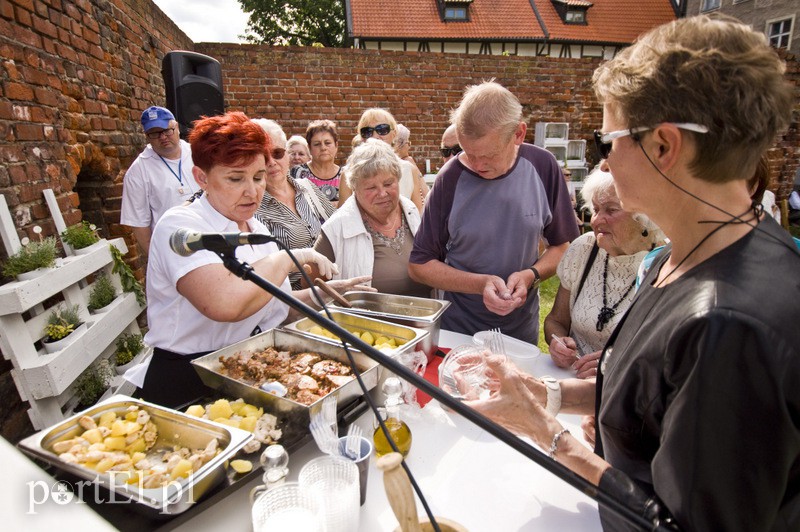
(210, 370)
(174, 428)
(418, 312)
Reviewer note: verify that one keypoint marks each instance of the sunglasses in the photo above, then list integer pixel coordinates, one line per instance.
(447, 152)
(602, 141)
(277, 153)
(157, 134)
(380, 129)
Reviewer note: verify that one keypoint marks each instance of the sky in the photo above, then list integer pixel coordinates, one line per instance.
(206, 20)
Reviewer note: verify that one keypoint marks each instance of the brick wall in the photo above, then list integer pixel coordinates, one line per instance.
(74, 78)
(76, 74)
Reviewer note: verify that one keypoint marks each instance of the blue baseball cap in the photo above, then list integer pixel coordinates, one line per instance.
(156, 117)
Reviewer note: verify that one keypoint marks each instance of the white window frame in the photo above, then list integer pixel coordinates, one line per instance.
(769, 24)
(581, 14)
(705, 8)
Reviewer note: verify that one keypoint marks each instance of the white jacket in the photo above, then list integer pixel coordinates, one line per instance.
(352, 243)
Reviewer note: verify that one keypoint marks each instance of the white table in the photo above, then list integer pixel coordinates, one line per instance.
(466, 475)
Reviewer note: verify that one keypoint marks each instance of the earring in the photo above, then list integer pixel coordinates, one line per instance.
(645, 232)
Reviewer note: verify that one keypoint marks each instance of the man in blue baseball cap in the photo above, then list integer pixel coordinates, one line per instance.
(159, 178)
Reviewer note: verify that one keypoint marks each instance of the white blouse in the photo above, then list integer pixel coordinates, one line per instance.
(585, 309)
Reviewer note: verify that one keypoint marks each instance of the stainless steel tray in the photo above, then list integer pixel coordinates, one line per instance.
(174, 428)
(210, 370)
(410, 337)
(418, 312)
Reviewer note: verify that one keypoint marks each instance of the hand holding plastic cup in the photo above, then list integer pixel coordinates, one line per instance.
(362, 461)
(463, 373)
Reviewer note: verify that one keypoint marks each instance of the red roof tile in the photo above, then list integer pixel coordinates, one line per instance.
(609, 21)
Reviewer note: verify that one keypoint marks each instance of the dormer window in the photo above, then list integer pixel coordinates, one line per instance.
(454, 10)
(572, 11)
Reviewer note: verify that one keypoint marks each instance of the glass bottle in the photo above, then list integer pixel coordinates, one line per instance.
(390, 414)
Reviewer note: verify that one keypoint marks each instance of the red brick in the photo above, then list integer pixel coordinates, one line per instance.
(47, 96)
(45, 26)
(29, 132)
(6, 10)
(17, 91)
(24, 17)
(6, 110)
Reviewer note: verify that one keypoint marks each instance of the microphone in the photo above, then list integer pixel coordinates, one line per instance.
(185, 242)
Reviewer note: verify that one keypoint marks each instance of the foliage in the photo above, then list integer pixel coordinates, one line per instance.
(61, 322)
(128, 346)
(126, 277)
(102, 293)
(296, 22)
(41, 254)
(81, 235)
(93, 382)
(547, 296)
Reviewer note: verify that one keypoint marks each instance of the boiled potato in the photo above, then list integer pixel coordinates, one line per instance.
(137, 446)
(92, 436)
(107, 418)
(250, 411)
(242, 466)
(135, 478)
(119, 428)
(196, 410)
(132, 415)
(137, 456)
(316, 329)
(368, 338)
(220, 409)
(381, 340)
(115, 443)
(248, 423)
(237, 406)
(182, 470)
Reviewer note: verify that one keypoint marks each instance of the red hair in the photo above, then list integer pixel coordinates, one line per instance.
(231, 139)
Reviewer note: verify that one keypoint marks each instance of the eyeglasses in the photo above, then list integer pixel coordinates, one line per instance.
(447, 152)
(602, 141)
(157, 134)
(278, 153)
(380, 129)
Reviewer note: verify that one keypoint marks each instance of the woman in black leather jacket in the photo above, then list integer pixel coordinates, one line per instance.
(697, 395)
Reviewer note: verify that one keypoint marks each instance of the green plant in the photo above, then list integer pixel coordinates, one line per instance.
(547, 296)
(102, 293)
(81, 235)
(61, 322)
(126, 277)
(93, 382)
(128, 346)
(41, 254)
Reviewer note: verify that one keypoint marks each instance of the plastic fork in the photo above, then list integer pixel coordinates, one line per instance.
(328, 413)
(326, 440)
(496, 343)
(352, 446)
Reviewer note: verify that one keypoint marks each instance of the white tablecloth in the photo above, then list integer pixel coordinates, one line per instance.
(466, 475)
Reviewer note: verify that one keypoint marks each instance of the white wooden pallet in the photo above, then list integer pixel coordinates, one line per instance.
(45, 379)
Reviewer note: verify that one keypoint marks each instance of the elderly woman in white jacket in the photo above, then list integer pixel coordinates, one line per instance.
(372, 233)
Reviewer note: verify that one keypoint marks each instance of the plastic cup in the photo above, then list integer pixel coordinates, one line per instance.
(333, 481)
(286, 508)
(364, 453)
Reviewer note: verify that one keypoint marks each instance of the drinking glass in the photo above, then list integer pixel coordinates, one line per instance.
(334, 482)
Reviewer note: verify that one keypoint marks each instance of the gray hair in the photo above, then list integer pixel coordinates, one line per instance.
(485, 108)
(370, 158)
(403, 133)
(599, 185)
(274, 130)
(296, 139)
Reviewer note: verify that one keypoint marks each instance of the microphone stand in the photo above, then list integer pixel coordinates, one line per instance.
(245, 271)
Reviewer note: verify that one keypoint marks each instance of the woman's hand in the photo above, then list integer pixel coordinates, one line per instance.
(586, 366)
(564, 357)
(354, 283)
(326, 268)
(514, 405)
(588, 427)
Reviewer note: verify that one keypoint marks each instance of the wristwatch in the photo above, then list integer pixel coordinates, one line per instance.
(553, 387)
(537, 279)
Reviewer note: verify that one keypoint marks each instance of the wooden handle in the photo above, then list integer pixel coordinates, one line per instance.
(331, 292)
(398, 491)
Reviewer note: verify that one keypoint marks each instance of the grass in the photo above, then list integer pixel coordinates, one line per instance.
(547, 295)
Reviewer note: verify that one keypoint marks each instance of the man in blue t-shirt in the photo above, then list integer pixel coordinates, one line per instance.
(485, 218)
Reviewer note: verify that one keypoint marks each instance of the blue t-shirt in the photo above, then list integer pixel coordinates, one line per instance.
(493, 226)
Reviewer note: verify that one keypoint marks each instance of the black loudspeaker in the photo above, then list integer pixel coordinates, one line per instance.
(193, 83)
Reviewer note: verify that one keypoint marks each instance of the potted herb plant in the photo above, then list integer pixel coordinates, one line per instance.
(129, 346)
(101, 294)
(32, 260)
(81, 237)
(61, 323)
(92, 383)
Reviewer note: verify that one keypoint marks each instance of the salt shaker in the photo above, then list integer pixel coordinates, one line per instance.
(274, 461)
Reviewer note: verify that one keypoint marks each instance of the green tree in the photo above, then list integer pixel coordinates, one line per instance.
(296, 22)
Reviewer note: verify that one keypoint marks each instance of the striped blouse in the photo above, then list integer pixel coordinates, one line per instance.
(292, 230)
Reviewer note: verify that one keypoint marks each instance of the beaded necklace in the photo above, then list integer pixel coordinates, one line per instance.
(606, 313)
(396, 243)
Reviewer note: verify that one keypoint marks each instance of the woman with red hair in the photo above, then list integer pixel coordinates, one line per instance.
(195, 305)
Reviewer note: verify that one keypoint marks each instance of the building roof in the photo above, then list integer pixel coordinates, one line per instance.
(609, 21)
